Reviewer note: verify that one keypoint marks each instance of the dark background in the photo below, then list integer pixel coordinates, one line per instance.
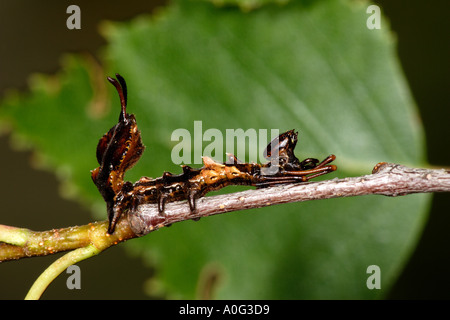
(33, 38)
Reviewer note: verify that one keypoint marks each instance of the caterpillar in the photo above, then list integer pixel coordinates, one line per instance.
(121, 147)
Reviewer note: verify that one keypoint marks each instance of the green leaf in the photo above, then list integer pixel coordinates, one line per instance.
(246, 5)
(312, 66)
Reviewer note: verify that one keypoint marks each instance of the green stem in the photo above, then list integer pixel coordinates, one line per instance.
(57, 267)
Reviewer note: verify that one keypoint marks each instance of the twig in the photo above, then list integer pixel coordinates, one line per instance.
(27, 243)
(387, 179)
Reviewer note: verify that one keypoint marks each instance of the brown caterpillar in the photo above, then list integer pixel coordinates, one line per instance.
(121, 147)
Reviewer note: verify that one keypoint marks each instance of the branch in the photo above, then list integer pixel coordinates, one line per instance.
(386, 179)
(17, 243)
